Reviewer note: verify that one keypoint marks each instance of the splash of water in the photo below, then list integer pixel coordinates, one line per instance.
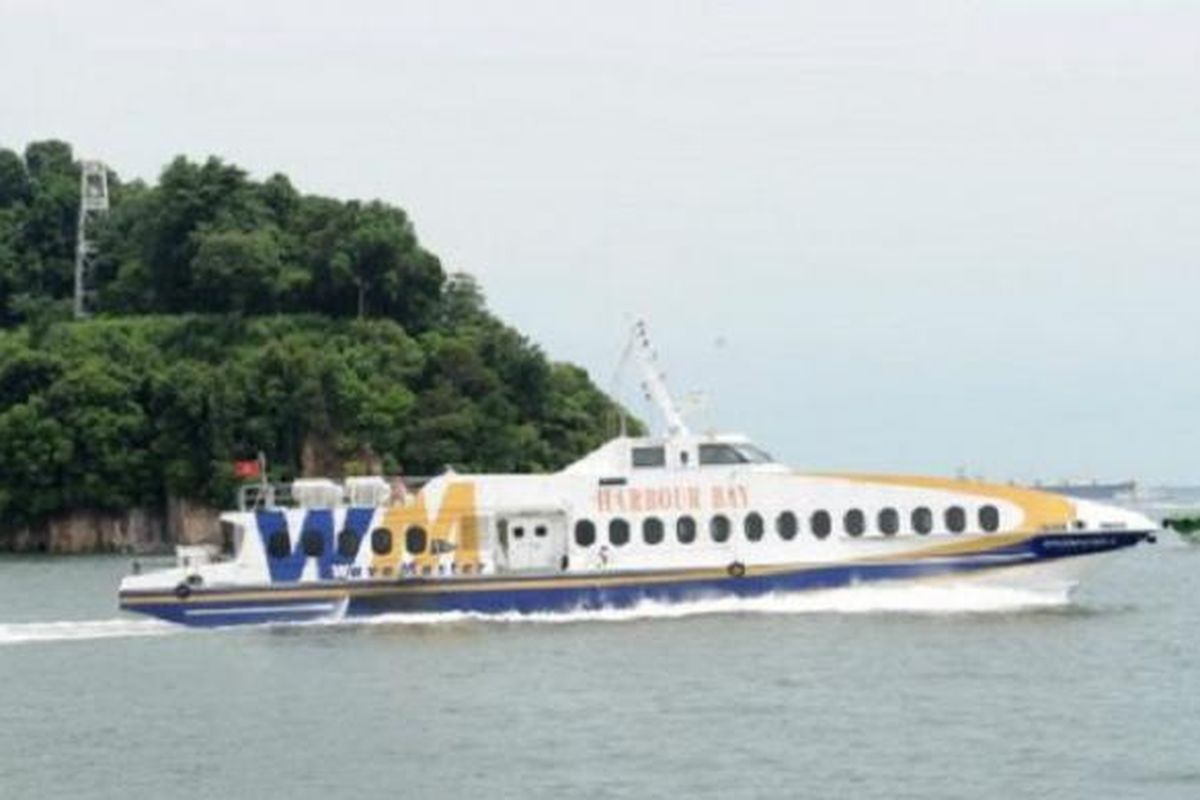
(937, 599)
(81, 630)
(920, 600)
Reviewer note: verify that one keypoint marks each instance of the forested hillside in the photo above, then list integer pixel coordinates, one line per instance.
(235, 316)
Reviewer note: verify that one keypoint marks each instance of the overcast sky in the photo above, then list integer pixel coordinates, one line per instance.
(879, 235)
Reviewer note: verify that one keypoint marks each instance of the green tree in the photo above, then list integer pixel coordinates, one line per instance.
(35, 452)
(240, 316)
(237, 271)
(49, 160)
(14, 180)
(11, 278)
(48, 224)
(462, 303)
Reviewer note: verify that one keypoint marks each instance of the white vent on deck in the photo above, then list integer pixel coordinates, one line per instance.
(316, 493)
(368, 491)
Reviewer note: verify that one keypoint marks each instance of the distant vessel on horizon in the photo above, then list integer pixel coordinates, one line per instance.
(669, 518)
(1187, 525)
(1093, 490)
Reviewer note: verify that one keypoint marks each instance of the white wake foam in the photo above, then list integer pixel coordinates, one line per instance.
(927, 600)
(900, 599)
(80, 630)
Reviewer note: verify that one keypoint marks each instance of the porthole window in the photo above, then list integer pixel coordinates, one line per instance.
(312, 543)
(889, 522)
(416, 540)
(279, 544)
(585, 533)
(652, 530)
(618, 532)
(956, 519)
(718, 528)
(786, 525)
(347, 543)
(854, 522)
(752, 526)
(821, 524)
(685, 530)
(922, 520)
(381, 541)
(519, 532)
(540, 531)
(989, 519)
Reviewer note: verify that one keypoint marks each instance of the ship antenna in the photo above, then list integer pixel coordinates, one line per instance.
(615, 387)
(654, 382)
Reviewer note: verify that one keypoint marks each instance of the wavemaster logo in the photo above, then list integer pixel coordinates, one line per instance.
(452, 527)
(319, 522)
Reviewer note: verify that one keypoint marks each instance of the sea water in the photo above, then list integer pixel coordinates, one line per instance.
(872, 692)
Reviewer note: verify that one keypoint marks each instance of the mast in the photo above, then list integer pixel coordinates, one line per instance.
(654, 381)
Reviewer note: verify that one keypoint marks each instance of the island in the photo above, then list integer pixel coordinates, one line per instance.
(230, 317)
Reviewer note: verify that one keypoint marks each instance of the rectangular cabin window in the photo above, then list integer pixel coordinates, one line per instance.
(231, 538)
(649, 456)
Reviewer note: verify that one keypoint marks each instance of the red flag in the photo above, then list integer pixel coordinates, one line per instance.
(247, 469)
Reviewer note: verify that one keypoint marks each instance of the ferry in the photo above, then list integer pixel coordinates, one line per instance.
(670, 518)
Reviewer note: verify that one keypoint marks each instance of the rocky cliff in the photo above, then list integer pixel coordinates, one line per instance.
(137, 530)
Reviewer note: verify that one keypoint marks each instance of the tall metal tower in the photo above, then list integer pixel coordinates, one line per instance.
(93, 203)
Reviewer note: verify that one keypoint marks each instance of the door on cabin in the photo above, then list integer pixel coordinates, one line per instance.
(534, 541)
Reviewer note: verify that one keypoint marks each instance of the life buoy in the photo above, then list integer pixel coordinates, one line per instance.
(737, 569)
(183, 591)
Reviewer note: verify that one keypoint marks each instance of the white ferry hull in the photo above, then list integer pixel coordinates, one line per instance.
(1042, 563)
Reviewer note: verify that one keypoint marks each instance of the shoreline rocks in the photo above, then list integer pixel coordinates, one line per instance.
(141, 531)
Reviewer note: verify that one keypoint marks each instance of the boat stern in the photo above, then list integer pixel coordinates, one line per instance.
(200, 592)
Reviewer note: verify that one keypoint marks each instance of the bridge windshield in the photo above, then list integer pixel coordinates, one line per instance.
(755, 455)
(733, 454)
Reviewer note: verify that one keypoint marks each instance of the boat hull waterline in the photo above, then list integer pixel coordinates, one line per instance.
(550, 593)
